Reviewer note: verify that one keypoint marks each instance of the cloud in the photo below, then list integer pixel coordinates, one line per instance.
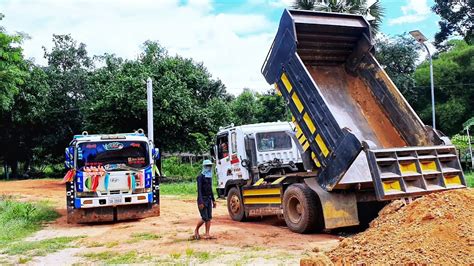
(232, 46)
(414, 11)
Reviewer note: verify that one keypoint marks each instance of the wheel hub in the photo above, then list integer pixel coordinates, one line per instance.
(234, 204)
(295, 210)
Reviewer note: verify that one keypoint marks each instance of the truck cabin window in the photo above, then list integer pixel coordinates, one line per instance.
(113, 155)
(273, 141)
(222, 147)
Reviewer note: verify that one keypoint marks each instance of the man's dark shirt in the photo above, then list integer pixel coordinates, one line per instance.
(204, 186)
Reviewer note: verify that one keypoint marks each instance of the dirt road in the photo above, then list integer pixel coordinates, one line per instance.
(265, 241)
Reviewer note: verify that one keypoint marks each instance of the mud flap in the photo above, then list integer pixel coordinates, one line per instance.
(92, 215)
(112, 214)
(339, 209)
(129, 212)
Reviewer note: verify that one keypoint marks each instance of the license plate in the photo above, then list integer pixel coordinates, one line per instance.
(115, 199)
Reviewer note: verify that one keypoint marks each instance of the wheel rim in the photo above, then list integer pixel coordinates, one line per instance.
(295, 210)
(234, 204)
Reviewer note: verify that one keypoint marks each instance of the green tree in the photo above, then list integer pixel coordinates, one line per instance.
(67, 72)
(373, 13)
(244, 108)
(398, 56)
(12, 67)
(456, 18)
(271, 107)
(454, 90)
(19, 138)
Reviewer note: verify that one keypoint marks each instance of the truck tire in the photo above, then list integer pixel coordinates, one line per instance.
(70, 194)
(235, 205)
(301, 209)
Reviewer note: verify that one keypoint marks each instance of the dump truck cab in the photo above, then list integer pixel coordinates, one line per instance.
(246, 153)
(111, 177)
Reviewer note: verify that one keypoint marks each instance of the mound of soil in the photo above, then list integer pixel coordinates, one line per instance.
(434, 229)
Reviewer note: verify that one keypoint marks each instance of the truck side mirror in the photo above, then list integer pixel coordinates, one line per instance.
(69, 157)
(212, 151)
(155, 153)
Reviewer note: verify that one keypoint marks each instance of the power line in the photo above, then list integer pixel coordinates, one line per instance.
(444, 85)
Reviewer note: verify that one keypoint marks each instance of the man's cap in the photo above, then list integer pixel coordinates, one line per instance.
(206, 162)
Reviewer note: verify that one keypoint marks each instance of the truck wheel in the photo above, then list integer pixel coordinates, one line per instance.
(235, 205)
(300, 209)
(69, 194)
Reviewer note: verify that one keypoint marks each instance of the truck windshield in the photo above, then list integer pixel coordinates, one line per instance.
(113, 155)
(272, 141)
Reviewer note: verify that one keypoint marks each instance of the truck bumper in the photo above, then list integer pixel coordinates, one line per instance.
(112, 213)
(113, 200)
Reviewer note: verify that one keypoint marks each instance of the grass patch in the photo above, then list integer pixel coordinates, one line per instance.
(137, 237)
(95, 245)
(39, 248)
(108, 257)
(181, 188)
(20, 219)
(469, 178)
(201, 256)
(112, 244)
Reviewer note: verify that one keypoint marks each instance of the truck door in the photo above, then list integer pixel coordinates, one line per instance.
(223, 166)
(237, 153)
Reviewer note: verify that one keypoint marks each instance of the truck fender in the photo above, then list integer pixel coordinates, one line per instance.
(233, 183)
(339, 209)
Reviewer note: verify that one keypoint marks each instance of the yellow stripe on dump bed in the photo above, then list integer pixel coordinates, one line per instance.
(286, 82)
(277, 90)
(322, 145)
(393, 185)
(263, 200)
(261, 191)
(428, 166)
(299, 132)
(309, 123)
(297, 102)
(315, 160)
(304, 143)
(452, 180)
(407, 168)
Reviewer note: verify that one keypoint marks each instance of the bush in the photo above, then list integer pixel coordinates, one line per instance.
(176, 171)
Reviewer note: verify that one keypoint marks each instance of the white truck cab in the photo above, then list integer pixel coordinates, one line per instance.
(247, 152)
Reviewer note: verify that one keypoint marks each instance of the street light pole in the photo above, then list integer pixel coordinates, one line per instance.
(419, 37)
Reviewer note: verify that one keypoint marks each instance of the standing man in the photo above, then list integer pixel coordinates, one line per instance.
(205, 199)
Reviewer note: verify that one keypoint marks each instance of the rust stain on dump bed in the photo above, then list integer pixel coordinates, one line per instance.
(355, 107)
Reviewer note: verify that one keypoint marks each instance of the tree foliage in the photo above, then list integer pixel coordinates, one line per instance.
(454, 88)
(107, 94)
(398, 56)
(12, 68)
(457, 17)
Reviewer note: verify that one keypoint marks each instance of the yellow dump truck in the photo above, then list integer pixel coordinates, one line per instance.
(360, 141)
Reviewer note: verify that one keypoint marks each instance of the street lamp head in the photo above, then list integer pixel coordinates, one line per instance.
(419, 37)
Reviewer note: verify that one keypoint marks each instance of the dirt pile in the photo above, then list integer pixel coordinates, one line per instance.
(437, 228)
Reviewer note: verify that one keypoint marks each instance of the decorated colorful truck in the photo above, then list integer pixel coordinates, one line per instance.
(111, 178)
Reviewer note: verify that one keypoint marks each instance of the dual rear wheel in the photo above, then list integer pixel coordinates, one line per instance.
(301, 208)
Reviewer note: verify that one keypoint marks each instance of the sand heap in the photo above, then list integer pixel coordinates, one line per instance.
(437, 228)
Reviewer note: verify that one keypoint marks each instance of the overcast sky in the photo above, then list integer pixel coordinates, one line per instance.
(230, 37)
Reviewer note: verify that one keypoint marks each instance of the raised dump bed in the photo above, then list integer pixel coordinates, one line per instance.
(343, 102)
